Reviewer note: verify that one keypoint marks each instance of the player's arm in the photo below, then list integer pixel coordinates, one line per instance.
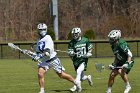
(46, 47)
(126, 50)
(71, 52)
(129, 53)
(89, 49)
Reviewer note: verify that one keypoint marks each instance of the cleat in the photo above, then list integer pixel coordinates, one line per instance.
(73, 88)
(127, 89)
(41, 92)
(90, 80)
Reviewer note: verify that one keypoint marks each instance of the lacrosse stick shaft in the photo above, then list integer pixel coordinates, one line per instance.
(61, 51)
(99, 67)
(17, 48)
(64, 52)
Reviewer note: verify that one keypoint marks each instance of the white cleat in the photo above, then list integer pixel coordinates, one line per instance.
(127, 89)
(78, 85)
(90, 80)
(73, 88)
(41, 92)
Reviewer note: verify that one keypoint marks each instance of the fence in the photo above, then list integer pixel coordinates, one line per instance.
(101, 49)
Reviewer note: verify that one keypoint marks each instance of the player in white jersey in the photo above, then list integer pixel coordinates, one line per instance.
(45, 51)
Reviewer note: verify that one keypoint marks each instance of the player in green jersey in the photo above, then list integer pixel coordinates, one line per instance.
(123, 59)
(79, 50)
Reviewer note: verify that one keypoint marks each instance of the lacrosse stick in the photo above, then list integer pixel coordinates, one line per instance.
(27, 52)
(64, 52)
(61, 51)
(99, 67)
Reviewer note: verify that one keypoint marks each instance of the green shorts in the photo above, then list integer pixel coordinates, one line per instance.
(85, 64)
(127, 70)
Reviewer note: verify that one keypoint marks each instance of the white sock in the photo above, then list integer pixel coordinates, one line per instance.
(127, 84)
(84, 77)
(42, 89)
(109, 89)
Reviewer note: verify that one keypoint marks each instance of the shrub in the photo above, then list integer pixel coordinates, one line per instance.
(51, 32)
(90, 34)
(69, 36)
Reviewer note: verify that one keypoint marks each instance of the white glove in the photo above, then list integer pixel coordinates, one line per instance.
(111, 67)
(125, 66)
(71, 53)
(37, 57)
(47, 54)
(87, 55)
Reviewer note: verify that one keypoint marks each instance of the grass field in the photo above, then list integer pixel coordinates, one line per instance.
(20, 76)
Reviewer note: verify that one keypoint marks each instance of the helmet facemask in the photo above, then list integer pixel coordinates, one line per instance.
(76, 33)
(42, 30)
(113, 40)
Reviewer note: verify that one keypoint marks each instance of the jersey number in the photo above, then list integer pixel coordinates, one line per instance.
(81, 51)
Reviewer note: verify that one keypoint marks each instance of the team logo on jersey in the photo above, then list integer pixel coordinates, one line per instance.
(80, 45)
(41, 45)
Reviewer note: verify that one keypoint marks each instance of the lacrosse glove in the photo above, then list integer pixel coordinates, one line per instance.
(87, 55)
(37, 57)
(71, 53)
(111, 67)
(125, 66)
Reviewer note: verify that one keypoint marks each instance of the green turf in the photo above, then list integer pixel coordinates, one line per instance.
(20, 76)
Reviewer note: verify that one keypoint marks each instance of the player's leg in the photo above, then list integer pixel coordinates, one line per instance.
(86, 77)
(41, 74)
(68, 77)
(59, 69)
(42, 69)
(78, 76)
(112, 76)
(125, 79)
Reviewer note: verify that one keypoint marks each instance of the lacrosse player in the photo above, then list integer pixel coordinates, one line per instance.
(123, 58)
(45, 51)
(79, 49)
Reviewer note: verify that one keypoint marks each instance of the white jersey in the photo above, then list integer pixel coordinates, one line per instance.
(44, 43)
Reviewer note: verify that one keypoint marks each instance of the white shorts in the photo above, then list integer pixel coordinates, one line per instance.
(55, 64)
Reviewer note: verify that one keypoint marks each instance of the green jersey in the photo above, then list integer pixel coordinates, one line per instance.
(120, 51)
(80, 48)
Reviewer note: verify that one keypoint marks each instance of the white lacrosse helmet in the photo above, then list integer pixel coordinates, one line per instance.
(114, 35)
(42, 29)
(76, 33)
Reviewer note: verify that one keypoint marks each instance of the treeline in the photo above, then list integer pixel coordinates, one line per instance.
(18, 18)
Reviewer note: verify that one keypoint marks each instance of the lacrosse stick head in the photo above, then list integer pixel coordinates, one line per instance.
(13, 46)
(99, 67)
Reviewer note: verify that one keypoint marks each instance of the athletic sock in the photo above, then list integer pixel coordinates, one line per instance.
(109, 89)
(42, 89)
(85, 77)
(127, 84)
